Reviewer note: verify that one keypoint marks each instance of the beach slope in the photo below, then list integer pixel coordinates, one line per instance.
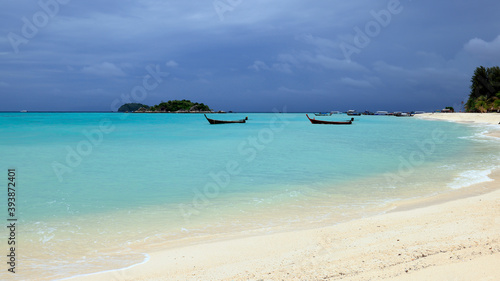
(485, 118)
(454, 240)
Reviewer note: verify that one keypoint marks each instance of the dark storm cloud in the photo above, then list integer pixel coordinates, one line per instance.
(245, 55)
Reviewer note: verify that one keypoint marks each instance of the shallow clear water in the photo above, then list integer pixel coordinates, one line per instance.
(95, 187)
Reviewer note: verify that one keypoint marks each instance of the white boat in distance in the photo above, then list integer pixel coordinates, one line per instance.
(352, 112)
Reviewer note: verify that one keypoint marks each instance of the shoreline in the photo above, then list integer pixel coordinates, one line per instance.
(452, 230)
(446, 230)
(468, 118)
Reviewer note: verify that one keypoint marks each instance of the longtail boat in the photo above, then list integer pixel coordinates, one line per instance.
(314, 121)
(213, 121)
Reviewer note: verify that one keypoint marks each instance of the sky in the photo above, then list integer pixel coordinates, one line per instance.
(244, 55)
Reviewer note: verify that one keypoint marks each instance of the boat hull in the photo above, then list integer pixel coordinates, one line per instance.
(314, 121)
(214, 121)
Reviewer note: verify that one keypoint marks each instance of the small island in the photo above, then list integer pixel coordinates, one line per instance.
(172, 106)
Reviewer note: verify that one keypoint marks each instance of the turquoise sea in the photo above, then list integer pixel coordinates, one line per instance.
(97, 191)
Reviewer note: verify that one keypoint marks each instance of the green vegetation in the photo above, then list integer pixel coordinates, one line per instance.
(176, 105)
(131, 107)
(450, 108)
(485, 90)
(170, 106)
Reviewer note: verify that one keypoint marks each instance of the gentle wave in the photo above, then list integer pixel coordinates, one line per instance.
(468, 178)
(146, 259)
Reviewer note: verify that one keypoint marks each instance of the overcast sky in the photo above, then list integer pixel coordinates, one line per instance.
(244, 55)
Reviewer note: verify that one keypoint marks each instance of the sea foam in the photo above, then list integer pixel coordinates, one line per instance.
(469, 178)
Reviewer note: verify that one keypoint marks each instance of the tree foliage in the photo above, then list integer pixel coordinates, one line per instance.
(170, 106)
(485, 90)
(131, 107)
(176, 105)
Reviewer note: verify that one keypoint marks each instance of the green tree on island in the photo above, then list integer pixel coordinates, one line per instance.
(131, 107)
(170, 106)
(176, 105)
(485, 90)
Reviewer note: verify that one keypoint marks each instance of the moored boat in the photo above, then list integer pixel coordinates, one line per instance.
(314, 121)
(403, 114)
(323, 114)
(353, 112)
(214, 121)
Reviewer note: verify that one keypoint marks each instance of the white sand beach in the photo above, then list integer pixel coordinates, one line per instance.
(455, 236)
(487, 118)
(455, 240)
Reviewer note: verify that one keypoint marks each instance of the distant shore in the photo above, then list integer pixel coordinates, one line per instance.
(447, 237)
(487, 118)
(183, 111)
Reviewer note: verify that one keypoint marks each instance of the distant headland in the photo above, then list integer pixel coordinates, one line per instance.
(172, 106)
